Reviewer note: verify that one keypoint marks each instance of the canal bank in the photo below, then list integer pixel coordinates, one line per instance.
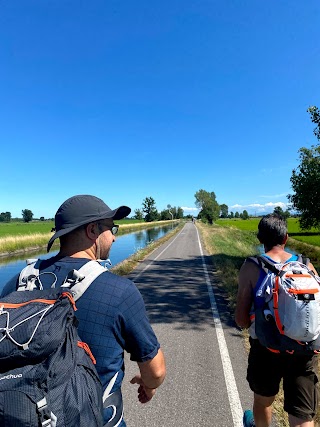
(126, 252)
(15, 244)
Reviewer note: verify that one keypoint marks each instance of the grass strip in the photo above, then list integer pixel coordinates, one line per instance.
(228, 247)
(16, 244)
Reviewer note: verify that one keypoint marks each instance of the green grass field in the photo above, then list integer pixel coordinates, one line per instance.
(42, 227)
(25, 228)
(311, 237)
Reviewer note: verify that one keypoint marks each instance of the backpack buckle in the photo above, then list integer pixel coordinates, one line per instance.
(73, 278)
(44, 413)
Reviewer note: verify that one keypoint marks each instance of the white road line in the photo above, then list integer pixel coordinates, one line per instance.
(232, 390)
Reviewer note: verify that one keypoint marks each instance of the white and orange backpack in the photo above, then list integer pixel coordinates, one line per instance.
(288, 320)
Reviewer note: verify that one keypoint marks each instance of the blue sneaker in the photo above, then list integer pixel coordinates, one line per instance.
(248, 420)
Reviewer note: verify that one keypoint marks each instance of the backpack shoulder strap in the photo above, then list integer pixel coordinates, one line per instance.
(256, 259)
(303, 259)
(32, 269)
(268, 264)
(79, 280)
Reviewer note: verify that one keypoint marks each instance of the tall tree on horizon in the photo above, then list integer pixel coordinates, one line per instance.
(305, 180)
(224, 210)
(207, 204)
(150, 210)
(27, 215)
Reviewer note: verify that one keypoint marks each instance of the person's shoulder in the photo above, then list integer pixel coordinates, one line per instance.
(251, 263)
(117, 291)
(119, 283)
(249, 271)
(115, 278)
(10, 286)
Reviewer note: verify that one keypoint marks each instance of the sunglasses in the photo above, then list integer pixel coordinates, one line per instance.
(114, 229)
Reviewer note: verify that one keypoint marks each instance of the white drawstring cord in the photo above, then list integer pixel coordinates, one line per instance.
(9, 329)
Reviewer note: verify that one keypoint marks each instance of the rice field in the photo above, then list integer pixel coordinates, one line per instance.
(25, 228)
(311, 237)
(34, 227)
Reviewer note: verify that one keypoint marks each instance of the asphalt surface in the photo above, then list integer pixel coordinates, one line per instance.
(204, 350)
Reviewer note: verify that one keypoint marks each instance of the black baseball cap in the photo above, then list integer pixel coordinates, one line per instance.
(80, 210)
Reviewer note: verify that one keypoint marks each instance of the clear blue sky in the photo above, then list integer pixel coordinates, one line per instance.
(130, 99)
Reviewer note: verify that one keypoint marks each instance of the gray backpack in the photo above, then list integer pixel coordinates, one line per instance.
(289, 317)
(47, 375)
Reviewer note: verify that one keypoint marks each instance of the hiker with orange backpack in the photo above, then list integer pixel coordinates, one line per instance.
(287, 359)
(111, 318)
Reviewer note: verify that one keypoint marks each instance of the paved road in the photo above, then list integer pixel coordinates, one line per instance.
(205, 355)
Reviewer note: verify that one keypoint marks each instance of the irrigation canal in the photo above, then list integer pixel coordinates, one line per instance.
(125, 246)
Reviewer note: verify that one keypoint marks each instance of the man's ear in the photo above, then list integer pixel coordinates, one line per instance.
(285, 239)
(92, 230)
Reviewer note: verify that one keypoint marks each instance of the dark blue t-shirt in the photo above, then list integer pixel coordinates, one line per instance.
(112, 318)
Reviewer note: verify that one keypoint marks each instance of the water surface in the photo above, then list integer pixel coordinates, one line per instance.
(124, 246)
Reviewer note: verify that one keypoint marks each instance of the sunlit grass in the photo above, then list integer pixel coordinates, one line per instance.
(228, 248)
(11, 244)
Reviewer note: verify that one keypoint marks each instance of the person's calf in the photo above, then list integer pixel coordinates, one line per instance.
(262, 410)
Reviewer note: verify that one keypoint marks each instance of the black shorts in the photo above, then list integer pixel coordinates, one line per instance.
(299, 374)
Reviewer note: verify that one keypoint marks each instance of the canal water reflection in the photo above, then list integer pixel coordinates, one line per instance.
(125, 246)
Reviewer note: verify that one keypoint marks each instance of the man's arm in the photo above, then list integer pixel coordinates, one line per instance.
(152, 374)
(248, 276)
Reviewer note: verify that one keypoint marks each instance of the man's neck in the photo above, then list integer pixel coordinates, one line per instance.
(80, 254)
(277, 253)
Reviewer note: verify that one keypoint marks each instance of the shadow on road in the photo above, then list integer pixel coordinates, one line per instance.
(175, 291)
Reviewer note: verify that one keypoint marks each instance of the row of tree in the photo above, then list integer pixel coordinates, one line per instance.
(27, 216)
(210, 210)
(224, 213)
(150, 213)
(5, 216)
(242, 215)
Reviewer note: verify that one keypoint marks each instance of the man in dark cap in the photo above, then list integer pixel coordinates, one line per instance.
(111, 312)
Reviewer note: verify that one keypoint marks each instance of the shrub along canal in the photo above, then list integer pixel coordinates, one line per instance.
(124, 246)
